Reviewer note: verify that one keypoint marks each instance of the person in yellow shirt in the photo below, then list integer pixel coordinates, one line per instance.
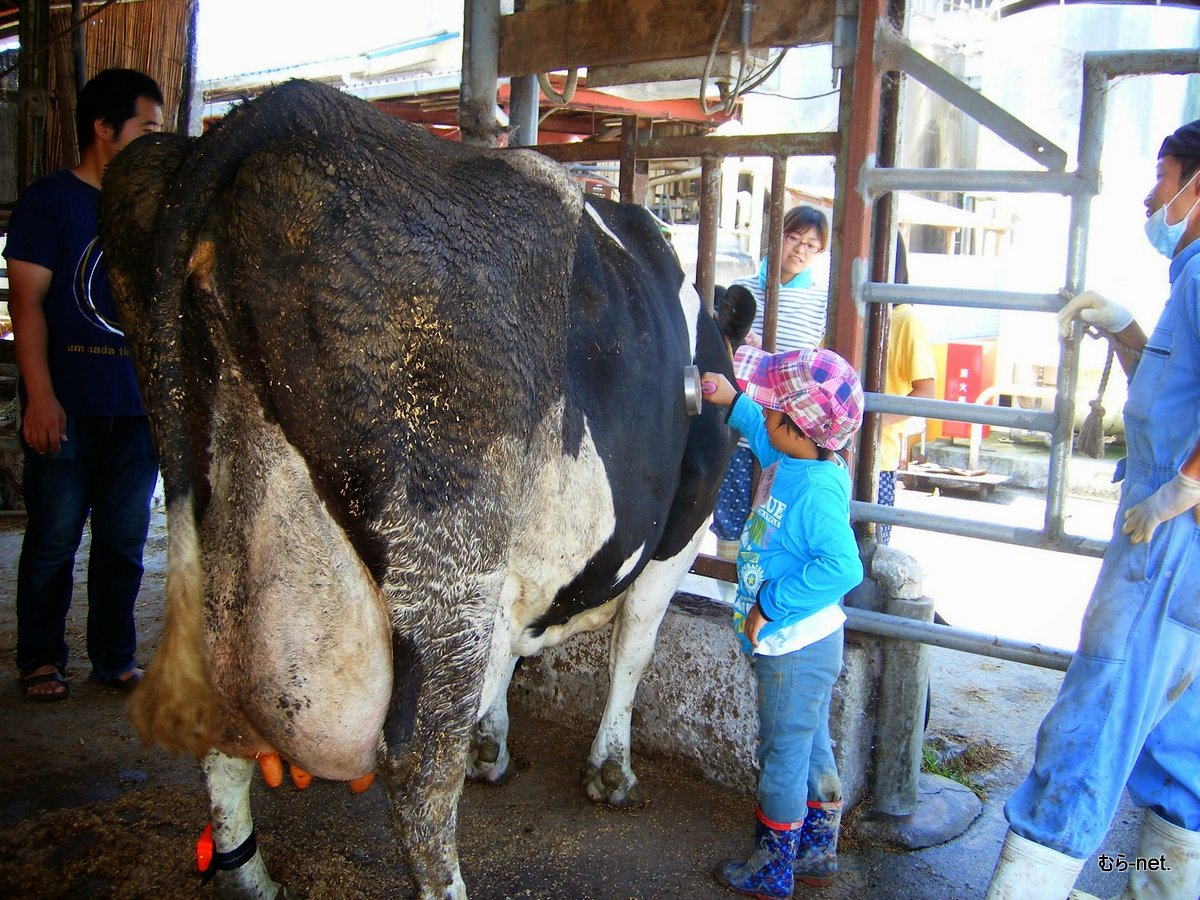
(910, 373)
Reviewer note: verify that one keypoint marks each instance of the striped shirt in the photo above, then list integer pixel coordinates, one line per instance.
(800, 314)
(802, 309)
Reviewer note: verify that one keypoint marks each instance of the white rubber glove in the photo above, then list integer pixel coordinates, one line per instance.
(1094, 309)
(1178, 495)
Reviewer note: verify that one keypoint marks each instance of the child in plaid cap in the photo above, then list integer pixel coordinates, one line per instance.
(798, 557)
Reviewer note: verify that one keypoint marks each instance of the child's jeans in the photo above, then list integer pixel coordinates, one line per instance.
(795, 753)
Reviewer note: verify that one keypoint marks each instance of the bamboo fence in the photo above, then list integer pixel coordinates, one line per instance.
(147, 35)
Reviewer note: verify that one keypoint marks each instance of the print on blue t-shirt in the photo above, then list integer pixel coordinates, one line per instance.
(54, 226)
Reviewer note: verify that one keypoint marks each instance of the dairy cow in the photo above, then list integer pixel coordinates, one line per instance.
(420, 409)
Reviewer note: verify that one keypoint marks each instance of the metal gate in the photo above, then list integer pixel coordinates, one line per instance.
(893, 52)
(866, 47)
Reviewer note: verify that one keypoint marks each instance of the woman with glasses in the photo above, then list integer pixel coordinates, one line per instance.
(800, 323)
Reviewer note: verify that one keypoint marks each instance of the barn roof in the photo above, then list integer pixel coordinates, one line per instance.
(8, 18)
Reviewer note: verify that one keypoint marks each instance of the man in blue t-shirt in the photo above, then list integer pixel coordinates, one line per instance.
(87, 443)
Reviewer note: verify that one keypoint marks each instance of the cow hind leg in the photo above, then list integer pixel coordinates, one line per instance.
(608, 775)
(439, 674)
(489, 761)
(241, 873)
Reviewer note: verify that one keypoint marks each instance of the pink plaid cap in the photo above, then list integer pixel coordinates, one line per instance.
(816, 389)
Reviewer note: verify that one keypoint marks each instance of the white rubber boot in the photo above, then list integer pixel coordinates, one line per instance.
(1029, 871)
(1167, 845)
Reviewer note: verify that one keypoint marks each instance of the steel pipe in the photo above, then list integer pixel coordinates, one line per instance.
(975, 642)
(988, 531)
(1115, 63)
(952, 410)
(876, 181)
(877, 292)
(893, 51)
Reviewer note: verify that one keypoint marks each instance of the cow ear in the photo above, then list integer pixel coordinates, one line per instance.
(735, 314)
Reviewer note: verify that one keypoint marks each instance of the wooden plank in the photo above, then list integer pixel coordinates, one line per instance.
(620, 32)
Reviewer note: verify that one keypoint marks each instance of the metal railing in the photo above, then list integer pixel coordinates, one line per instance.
(1080, 186)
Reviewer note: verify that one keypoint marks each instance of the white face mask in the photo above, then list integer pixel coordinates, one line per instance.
(1165, 237)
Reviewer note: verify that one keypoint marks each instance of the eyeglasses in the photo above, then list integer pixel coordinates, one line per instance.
(794, 240)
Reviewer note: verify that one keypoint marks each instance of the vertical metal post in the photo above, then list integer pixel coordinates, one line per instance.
(1091, 141)
(522, 104)
(187, 121)
(628, 157)
(706, 237)
(480, 71)
(634, 176)
(858, 123)
(774, 250)
(523, 111)
(879, 315)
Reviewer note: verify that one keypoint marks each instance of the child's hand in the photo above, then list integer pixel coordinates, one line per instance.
(754, 622)
(716, 388)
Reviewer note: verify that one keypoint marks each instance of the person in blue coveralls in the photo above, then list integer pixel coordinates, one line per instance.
(1128, 711)
(797, 558)
(87, 445)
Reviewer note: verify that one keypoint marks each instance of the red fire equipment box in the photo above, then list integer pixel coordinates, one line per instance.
(970, 368)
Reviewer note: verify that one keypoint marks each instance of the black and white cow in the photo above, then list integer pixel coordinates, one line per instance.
(420, 409)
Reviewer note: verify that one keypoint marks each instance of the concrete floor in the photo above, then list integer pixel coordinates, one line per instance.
(86, 812)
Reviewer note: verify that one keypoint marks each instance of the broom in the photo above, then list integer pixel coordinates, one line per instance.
(1091, 433)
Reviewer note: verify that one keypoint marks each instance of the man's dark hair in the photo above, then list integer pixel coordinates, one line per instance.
(111, 96)
(800, 218)
(1184, 144)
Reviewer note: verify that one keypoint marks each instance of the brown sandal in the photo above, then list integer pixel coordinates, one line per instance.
(30, 681)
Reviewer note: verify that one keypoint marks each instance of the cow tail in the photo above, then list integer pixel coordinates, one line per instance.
(175, 706)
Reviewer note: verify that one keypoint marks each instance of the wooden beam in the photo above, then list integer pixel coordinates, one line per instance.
(821, 143)
(620, 32)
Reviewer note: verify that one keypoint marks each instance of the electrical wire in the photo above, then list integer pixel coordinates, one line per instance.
(767, 72)
(708, 64)
(787, 97)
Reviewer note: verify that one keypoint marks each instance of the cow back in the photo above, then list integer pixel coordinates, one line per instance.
(397, 301)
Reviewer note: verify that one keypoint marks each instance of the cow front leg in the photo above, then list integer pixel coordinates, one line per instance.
(608, 775)
(489, 760)
(240, 872)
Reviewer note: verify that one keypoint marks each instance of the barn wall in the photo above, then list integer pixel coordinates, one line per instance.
(150, 36)
(696, 703)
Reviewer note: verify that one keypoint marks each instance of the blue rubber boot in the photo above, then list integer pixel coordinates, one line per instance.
(816, 844)
(767, 874)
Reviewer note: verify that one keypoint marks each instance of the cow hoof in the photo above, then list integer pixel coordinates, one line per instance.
(488, 762)
(611, 784)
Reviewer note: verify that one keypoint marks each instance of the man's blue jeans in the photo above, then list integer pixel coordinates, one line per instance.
(795, 753)
(107, 468)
